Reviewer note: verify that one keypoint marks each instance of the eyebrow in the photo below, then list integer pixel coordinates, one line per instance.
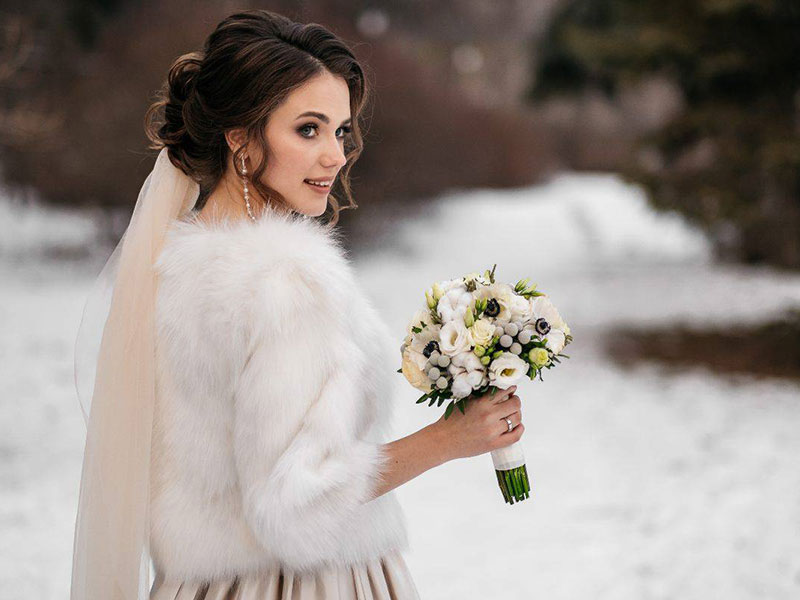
(320, 116)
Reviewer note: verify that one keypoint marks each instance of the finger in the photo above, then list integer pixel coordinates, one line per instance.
(515, 419)
(502, 396)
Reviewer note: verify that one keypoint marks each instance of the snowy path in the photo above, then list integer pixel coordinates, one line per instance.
(647, 483)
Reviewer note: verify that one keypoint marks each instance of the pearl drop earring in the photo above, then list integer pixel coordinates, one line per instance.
(247, 191)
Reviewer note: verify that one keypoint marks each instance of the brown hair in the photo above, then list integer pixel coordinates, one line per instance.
(247, 67)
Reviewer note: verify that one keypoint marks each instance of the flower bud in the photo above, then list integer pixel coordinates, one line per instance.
(479, 351)
(469, 318)
(485, 360)
(429, 300)
(438, 292)
(538, 356)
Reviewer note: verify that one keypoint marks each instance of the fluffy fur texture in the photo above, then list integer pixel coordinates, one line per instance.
(273, 402)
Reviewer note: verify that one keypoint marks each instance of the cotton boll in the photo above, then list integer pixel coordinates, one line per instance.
(461, 386)
(475, 378)
(455, 371)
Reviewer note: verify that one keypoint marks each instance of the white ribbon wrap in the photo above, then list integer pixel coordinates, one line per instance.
(508, 458)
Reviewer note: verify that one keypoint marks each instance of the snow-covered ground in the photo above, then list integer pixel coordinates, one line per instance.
(648, 482)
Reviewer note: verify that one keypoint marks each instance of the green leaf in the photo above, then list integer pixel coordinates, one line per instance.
(460, 404)
(449, 409)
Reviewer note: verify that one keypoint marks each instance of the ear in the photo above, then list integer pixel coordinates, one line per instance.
(235, 138)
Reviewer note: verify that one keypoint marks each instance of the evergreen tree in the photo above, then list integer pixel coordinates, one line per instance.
(732, 156)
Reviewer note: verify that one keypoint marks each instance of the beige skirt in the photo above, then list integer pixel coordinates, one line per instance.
(386, 578)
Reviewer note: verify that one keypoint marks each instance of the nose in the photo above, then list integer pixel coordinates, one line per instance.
(333, 155)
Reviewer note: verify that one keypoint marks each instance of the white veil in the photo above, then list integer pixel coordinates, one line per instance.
(115, 381)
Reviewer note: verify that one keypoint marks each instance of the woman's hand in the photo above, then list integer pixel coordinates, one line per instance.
(483, 427)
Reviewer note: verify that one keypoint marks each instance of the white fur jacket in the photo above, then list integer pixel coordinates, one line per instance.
(273, 402)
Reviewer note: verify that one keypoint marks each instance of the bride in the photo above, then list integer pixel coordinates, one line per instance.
(241, 402)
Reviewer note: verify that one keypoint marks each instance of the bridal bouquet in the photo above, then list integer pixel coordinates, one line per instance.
(476, 336)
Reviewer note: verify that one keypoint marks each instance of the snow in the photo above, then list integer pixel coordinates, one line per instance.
(648, 482)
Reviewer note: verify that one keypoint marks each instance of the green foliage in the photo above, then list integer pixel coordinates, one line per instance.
(732, 156)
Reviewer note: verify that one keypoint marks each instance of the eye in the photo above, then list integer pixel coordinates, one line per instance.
(345, 129)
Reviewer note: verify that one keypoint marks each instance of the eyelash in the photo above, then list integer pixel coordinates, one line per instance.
(344, 128)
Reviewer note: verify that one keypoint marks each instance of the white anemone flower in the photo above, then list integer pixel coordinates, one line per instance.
(548, 323)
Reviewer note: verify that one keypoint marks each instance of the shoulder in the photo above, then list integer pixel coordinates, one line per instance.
(282, 263)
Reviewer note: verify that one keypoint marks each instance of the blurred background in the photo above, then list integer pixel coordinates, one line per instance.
(638, 160)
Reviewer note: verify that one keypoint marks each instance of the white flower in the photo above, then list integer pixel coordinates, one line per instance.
(421, 316)
(501, 292)
(475, 277)
(421, 339)
(482, 332)
(413, 365)
(521, 309)
(451, 284)
(476, 378)
(455, 370)
(506, 370)
(552, 322)
(454, 304)
(454, 338)
(462, 387)
(472, 362)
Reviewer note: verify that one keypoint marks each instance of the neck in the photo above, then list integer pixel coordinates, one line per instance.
(227, 201)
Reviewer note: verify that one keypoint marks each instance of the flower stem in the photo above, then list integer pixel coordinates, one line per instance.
(514, 484)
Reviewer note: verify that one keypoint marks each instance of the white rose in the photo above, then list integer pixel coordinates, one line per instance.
(454, 338)
(482, 332)
(413, 365)
(506, 370)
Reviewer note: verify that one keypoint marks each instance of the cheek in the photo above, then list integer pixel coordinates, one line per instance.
(289, 161)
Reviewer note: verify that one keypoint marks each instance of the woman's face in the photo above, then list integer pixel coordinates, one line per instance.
(307, 146)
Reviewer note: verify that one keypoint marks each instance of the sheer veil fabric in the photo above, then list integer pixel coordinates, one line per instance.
(115, 357)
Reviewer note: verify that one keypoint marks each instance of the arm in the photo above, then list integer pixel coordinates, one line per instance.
(410, 457)
(303, 467)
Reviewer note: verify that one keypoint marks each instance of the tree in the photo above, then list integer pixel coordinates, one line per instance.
(731, 159)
